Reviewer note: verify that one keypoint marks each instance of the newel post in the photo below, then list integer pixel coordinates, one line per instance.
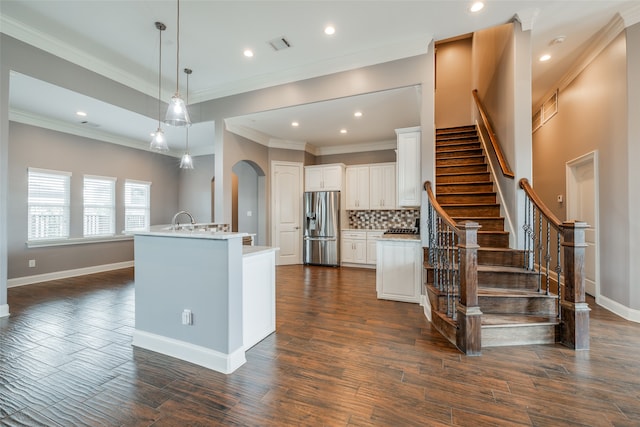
(574, 331)
(468, 337)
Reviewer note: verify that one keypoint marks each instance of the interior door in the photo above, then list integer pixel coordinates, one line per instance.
(286, 206)
(582, 205)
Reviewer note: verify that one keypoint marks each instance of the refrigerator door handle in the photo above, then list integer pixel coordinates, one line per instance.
(322, 239)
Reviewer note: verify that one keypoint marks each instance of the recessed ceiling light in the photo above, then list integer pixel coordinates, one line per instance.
(476, 7)
(545, 57)
(81, 114)
(358, 114)
(343, 131)
(248, 53)
(295, 124)
(329, 30)
(557, 40)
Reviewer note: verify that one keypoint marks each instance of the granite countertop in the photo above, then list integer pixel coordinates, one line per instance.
(403, 237)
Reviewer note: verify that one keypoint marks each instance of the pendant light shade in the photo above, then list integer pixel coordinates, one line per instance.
(187, 162)
(158, 141)
(177, 114)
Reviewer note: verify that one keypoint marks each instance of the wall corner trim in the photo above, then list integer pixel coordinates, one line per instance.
(4, 310)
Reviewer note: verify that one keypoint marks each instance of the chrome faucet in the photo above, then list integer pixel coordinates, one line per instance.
(174, 223)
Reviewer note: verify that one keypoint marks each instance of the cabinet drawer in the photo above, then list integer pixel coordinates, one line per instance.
(354, 235)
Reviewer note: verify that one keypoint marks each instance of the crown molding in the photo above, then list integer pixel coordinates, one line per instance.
(31, 119)
(56, 47)
(287, 144)
(595, 46)
(631, 16)
(527, 18)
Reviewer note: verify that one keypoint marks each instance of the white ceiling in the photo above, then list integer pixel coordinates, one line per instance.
(118, 39)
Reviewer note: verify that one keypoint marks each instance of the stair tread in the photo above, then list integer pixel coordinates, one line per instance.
(468, 193)
(442, 184)
(513, 320)
(462, 173)
(471, 218)
(446, 205)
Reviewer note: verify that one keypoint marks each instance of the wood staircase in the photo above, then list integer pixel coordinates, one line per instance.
(514, 310)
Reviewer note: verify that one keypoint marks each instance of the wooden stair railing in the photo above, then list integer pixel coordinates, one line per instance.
(504, 166)
(540, 227)
(453, 256)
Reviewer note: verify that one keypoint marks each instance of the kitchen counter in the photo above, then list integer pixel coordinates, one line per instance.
(401, 237)
(190, 296)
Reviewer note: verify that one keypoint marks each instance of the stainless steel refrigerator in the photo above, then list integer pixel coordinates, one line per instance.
(322, 228)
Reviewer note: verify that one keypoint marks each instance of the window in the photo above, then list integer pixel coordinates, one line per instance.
(48, 204)
(137, 205)
(99, 206)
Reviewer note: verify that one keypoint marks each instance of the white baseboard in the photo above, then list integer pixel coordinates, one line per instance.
(211, 359)
(4, 310)
(426, 307)
(619, 309)
(57, 275)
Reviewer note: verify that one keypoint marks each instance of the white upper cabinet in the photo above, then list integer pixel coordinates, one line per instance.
(323, 177)
(408, 165)
(382, 179)
(357, 190)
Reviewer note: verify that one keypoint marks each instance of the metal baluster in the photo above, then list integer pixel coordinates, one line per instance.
(539, 247)
(525, 232)
(558, 271)
(449, 290)
(547, 256)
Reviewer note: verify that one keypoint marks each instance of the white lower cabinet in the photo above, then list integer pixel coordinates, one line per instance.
(354, 247)
(399, 269)
(372, 239)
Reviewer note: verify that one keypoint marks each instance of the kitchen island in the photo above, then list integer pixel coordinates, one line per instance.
(191, 301)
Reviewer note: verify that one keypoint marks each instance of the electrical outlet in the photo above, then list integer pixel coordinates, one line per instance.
(249, 213)
(32, 263)
(187, 317)
(560, 198)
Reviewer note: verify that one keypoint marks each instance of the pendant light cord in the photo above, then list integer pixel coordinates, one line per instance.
(159, 77)
(178, 49)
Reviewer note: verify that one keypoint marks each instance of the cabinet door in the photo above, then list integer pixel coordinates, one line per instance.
(357, 191)
(360, 251)
(383, 187)
(372, 239)
(312, 179)
(409, 169)
(399, 273)
(332, 178)
(347, 253)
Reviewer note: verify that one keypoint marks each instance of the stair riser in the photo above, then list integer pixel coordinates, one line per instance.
(489, 240)
(454, 129)
(473, 211)
(504, 258)
(507, 280)
(463, 188)
(479, 168)
(460, 161)
(445, 199)
(442, 154)
(536, 305)
(448, 146)
(518, 335)
(472, 177)
(489, 224)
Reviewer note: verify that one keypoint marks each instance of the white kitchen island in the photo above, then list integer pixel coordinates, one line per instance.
(193, 300)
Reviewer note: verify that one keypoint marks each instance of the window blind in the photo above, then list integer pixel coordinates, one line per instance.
(137, 205)
(99, 206)
(48, 204)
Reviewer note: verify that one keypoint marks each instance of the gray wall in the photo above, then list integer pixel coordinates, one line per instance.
(593, 115)
(454, 102)
(195, 188)
(31, 146)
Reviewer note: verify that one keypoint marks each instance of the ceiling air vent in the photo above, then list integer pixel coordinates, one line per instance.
(90, 124)
(279, 43)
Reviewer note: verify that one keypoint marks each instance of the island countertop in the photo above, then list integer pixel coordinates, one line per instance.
(184, 232)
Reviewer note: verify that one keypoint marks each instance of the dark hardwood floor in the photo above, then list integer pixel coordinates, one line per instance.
(339, 357)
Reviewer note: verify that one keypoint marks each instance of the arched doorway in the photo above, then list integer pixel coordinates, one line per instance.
(249, 212)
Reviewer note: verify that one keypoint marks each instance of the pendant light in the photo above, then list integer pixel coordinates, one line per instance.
(177, 114)
(187, 162)
(158, 141)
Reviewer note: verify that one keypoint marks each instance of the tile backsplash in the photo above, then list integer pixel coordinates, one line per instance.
(382, 219)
